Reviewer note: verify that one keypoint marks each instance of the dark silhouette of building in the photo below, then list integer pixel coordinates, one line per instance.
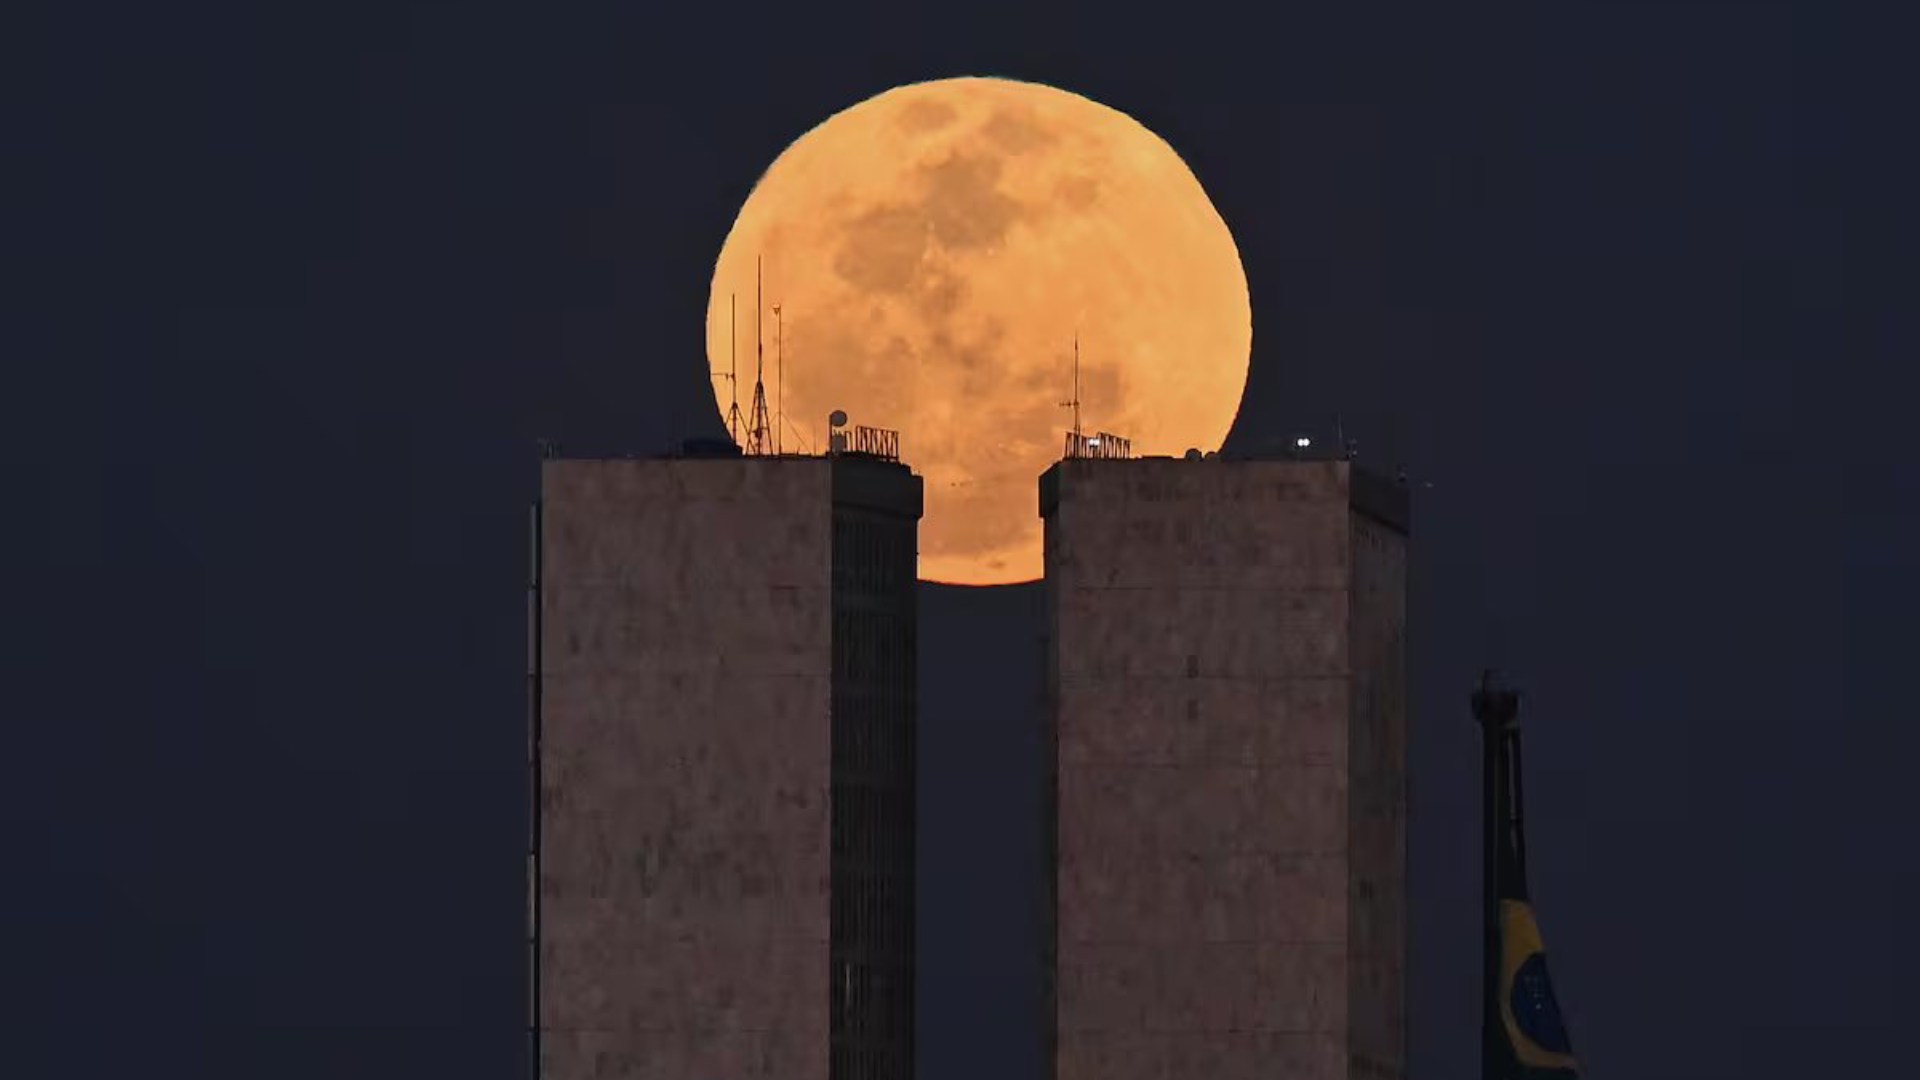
(1226, 653)
(723, 686)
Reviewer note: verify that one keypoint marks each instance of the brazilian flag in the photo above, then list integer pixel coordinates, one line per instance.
(1535, 1036)
(1524, 1035)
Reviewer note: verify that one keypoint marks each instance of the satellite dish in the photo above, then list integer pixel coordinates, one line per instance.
(837, 418)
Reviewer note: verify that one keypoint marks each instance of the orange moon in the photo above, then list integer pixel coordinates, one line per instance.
(934, 250)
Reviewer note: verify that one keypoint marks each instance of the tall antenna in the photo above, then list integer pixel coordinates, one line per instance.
(1074, 404)
(758, 431)
(733, 366)
(779, 379)
(1076, 384)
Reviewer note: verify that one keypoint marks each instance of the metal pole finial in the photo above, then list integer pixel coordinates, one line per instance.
(1494, 705)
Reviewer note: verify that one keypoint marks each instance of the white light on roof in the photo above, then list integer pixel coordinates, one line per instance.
(1095, 441)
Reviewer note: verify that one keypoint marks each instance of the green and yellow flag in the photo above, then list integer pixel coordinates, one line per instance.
(1523, 1035)
(1535, 1035)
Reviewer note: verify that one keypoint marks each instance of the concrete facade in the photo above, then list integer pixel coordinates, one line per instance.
(1226, 700)
(724, 706)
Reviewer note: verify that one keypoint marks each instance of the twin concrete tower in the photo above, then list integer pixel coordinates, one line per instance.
(723, 756)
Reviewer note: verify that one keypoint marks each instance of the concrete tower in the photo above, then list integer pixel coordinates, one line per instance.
(723, 746)
(1226, 697)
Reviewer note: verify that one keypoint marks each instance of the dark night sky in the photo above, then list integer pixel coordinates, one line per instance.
(1625, 281)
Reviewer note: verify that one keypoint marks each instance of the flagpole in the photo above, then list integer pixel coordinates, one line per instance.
(1494, 707)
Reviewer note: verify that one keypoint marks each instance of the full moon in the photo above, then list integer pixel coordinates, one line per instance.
(935, 251)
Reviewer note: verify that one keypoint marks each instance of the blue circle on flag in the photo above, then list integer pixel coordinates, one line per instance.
(1535, 1012)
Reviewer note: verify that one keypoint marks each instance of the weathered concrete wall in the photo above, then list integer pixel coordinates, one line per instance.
(1377, 943)
(1200, 621)
(874, 730)
(684, 865)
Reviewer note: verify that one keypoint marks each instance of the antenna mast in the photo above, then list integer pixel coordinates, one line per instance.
(1077, 441)
(757, 434)
(1076, 384)
(779, 380)
(733, 366)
